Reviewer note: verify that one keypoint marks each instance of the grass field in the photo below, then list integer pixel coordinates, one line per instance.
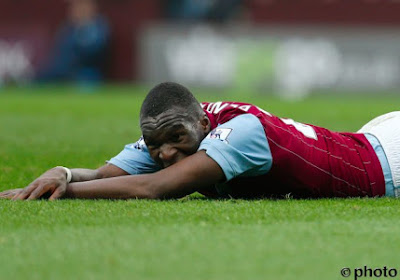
(192, 238)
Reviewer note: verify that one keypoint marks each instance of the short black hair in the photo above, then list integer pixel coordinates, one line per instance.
(167, 95)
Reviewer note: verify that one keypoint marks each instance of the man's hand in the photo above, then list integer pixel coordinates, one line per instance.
(53, 181)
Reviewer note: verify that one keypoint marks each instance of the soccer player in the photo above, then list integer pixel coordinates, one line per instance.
(231, 149)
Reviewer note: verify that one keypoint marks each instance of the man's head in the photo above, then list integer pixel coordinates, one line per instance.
(81, 12)
(172, 122)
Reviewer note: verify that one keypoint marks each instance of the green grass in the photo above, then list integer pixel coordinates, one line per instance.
(192, 238)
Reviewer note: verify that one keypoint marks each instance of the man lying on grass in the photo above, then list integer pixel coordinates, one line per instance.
(230, 149)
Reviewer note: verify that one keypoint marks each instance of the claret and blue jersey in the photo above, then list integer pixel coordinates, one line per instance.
(263, 155)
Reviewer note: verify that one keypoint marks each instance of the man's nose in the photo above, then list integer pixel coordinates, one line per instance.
(167, 153)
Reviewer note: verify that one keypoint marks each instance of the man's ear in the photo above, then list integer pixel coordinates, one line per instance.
(205, 124)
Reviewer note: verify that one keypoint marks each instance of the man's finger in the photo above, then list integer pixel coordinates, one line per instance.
(38, 192)
(6, 196)
(4, 193)
(25, 192)
(9, 194)
(56, 194)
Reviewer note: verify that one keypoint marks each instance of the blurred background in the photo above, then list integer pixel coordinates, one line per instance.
(291, 48)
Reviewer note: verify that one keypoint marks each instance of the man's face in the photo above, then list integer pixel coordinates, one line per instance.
(173, 135)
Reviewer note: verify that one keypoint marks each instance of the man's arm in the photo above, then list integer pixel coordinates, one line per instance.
(185, 177)
(55, 181)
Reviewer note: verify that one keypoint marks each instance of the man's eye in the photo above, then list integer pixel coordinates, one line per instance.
(176, 137)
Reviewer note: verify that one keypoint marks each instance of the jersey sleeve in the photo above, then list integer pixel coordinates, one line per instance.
(240, 147)
(135, 159)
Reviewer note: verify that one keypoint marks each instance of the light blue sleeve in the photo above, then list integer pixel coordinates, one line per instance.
(240, 147)
(135, 159)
